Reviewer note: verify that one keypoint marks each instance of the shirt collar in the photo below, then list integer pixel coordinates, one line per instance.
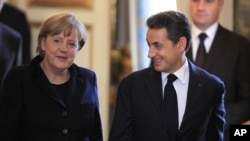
(181, 74)
(210, 31)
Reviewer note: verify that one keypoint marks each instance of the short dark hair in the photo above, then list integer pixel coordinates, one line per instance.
(176, 24)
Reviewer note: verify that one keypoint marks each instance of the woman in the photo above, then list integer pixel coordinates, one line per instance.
(52, 99)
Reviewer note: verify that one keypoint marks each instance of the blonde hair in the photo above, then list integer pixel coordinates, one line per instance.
(61, 22)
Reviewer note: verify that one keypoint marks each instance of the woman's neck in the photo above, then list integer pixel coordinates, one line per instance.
(55, 77)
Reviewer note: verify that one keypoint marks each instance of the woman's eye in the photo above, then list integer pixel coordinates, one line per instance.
(72, 44)
(57, 41)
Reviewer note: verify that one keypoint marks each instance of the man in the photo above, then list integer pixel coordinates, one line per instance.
(143, 112)
(227, 56)
(10, 48)
(17, 20)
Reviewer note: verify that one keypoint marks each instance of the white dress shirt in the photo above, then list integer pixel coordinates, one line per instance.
(211, 31)
(181, 87)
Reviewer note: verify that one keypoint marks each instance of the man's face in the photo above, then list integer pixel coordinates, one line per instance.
(204, 13)
(166, 56)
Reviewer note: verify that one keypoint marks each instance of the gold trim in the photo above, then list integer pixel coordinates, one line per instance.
(62, 3)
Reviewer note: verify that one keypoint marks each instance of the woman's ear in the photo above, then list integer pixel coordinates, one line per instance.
(42, 43)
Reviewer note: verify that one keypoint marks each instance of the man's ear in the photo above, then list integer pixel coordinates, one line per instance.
(182, 43)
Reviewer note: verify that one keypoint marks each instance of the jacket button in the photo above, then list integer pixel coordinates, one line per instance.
(65, 131)
(64, 113)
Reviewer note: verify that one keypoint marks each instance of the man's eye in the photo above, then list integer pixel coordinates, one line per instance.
(158, 46)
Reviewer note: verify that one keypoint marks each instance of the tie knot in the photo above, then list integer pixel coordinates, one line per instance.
(171, 78)
(202, 36)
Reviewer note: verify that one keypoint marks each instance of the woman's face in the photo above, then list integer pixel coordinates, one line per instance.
(60, 50)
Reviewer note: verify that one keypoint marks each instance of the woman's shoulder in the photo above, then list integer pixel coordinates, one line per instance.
(82, 71)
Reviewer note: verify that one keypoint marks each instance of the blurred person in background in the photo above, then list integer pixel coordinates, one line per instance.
(17, 20)
(10, 48)
(227, 56)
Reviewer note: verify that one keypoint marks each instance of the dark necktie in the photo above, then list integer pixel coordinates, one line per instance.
(201, 53)
(171, 107)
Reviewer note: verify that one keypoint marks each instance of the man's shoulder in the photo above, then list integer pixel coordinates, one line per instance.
(230, 34)
(10, 9)
(80, 71)
(204, 74)
(142, 72)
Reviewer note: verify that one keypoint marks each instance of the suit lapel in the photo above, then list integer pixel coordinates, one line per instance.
(194, 90)
(154, 84)
(217, 49)
(43, 83)
(75, 89)
(45, 86)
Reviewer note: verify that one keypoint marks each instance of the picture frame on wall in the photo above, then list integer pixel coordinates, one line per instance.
(241, 17)
(63, 3)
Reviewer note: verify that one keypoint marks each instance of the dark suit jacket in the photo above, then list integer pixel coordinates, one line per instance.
(17, 20)
(139, 115)
(10, 50)
(229, 59)
(31, 110)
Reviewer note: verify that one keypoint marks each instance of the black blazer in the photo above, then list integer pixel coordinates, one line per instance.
(31, 110)
(139, 117)
(229, 59)
(10, 50)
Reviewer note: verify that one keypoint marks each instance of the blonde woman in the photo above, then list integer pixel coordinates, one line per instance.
(52, 99)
